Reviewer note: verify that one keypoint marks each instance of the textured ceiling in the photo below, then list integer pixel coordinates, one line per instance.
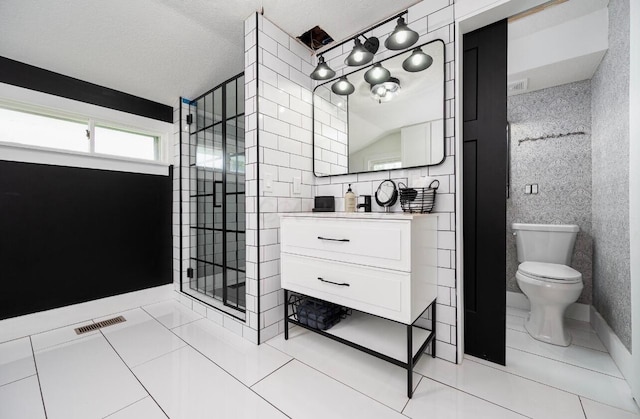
(162, 49)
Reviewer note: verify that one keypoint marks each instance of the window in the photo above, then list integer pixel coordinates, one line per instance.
(84, 135)
(125, 144)
(385, 165)
(43, 131)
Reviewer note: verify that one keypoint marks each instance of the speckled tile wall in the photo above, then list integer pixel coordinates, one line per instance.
(610, 113)
(560, 166)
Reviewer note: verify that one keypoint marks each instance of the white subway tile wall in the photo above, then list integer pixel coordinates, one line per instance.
(432, 19)
(284, 155)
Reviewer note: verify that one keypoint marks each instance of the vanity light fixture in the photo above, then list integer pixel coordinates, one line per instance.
(417, 61)
(384, 92)
(342, 87)
(362, 54)
(377, 74)
(402, 36)
(322, 71)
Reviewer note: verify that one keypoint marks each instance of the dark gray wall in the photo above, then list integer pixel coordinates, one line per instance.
(610, 168)
(560, 166)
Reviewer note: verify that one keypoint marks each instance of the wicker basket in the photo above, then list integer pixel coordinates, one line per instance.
(418, 200)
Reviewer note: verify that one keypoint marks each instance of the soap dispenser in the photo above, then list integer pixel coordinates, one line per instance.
(349, 201)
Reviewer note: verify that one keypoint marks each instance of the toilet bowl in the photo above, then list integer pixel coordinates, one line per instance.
(544, 276)
(551, 288)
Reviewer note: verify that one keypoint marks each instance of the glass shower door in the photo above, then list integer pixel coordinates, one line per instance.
(217, 200)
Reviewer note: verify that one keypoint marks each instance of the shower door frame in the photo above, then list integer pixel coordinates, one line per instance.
(229, 309)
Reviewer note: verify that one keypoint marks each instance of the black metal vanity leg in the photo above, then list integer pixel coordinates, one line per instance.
(286, 315)
(409, 361)
(433, 341)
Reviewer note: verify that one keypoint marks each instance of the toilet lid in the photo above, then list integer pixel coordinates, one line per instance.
(550, 271)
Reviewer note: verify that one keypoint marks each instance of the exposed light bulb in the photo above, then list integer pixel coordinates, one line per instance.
(401, 37)
(377, 72)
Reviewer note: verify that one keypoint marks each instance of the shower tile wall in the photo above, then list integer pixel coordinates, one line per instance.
(560, 166)
(279, 149)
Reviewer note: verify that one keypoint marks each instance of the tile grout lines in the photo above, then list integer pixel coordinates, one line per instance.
(421, 376)
(568, 363)
(408, 399)
(544, 384)
(582, 406)
(272, 372)
(313, 368)
(338, 381)
(35, 364)
(475, 396)
(132, 373)
(572, 343)
(17, 379)
(129, 405)
(209, 359)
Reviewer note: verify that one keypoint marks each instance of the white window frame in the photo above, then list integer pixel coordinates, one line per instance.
(30, 101)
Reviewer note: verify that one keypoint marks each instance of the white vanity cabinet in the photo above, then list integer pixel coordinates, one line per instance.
(387, 260)
(381, 265)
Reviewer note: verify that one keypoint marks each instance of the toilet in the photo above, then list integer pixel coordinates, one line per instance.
(544, 252)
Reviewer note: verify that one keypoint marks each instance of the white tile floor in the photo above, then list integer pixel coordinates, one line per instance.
(167, 361)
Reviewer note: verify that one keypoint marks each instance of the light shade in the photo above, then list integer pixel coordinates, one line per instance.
(377, 74)
(417, 61)
(402, 37)
(322, 71)
(386, 91)
(359, 55)
(342, 87)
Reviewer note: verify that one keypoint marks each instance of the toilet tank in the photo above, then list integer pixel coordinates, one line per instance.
(551, 243)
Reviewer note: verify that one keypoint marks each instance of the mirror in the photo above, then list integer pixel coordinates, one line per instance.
(376, 129)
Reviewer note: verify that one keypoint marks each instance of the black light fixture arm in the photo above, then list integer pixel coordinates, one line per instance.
(359, 34)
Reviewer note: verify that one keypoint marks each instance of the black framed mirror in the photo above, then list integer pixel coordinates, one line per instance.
(393, 119)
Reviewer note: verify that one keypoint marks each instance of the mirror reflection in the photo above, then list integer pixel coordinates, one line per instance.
(389, 115)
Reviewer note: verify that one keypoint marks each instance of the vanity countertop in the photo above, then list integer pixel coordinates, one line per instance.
(361, 215)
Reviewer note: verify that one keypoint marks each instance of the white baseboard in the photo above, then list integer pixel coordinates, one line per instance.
(576, 311)
(42, 321)
(612, 342)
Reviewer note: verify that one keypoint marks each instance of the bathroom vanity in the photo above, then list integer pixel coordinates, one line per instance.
(381, 265)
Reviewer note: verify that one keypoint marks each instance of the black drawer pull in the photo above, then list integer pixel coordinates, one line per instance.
(333, 240)
(343, 284)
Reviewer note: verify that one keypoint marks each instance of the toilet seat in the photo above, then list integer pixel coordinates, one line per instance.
(550, 272)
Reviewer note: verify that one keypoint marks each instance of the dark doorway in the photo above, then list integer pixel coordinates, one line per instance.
(484, 190)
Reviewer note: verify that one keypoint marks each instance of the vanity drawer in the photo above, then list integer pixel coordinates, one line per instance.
(376, 291)
(379, 243)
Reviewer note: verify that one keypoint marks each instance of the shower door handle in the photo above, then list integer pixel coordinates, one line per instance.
(215, 195)
(508, 160)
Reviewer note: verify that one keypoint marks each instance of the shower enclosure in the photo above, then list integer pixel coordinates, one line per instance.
(216, 179)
